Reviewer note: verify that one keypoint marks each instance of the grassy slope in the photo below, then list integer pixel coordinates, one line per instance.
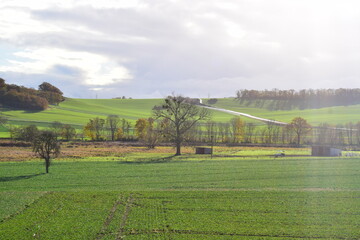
(333, 115)
(79, 111)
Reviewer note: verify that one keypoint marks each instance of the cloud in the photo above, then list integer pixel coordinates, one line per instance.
(152, 48)
(91, 69)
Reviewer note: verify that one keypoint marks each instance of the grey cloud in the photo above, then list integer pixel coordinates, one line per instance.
(280, 45)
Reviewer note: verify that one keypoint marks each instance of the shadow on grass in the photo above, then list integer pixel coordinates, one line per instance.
(9, 179)
(148, 160)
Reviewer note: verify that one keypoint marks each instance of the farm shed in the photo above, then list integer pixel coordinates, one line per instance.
(203, 150)
(325, 151)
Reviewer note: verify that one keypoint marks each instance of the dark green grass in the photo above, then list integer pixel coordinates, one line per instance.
(14, 202)
(61, 216)
(245, 214)
(179, 198)
(188, 215)
(290, 173)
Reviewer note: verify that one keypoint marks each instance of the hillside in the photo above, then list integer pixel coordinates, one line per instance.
(331, 115)
(77, 112)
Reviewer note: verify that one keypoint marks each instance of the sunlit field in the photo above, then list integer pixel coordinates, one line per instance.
(115, 192)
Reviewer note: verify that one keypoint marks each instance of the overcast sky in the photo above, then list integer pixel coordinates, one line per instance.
(201, 48)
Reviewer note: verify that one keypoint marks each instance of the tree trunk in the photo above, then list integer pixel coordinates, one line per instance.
(298, 139)
(47, 165)
(178, 149)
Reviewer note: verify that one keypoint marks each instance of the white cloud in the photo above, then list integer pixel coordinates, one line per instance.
(95, 69)
(159, 45)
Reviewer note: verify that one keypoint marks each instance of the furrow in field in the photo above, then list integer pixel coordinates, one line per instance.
(109, 218)
(125, 216)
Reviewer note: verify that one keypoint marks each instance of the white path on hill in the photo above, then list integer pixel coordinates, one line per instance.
(264, 119)
(245, 115)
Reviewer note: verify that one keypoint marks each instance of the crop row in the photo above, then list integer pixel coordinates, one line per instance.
(187, 215)
(252, 214)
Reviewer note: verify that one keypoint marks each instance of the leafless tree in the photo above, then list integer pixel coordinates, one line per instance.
(46, 146)
(112, 124)
(181, 116)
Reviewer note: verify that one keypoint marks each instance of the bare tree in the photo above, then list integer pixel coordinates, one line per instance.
(68, 132)
(46, 146)
(249, 132)
(112, 124)
(349, 128)
(300, 127)
(181, 116)
(56, 127)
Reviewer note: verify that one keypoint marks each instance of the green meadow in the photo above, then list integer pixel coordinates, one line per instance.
(239, 193)
(332, 115)
(150, 196)
(77, 112)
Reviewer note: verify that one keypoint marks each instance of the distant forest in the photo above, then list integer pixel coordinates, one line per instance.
(28, 98)
(303, 99)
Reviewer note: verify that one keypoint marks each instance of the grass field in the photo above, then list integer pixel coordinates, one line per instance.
(332, 115)
(152, 195)
(77, 112)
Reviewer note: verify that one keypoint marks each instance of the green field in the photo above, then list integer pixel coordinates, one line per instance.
(77, 112)
(331, 115)
(140, 196)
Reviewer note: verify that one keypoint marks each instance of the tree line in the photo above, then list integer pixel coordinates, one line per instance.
(177, 121)
(22, 97)
(276, 99)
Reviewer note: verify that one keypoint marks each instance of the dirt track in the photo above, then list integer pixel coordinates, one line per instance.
(245, 115)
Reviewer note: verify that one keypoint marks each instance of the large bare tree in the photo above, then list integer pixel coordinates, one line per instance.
(180, 115)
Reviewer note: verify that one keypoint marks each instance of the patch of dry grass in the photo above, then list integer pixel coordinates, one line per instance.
(79, 151)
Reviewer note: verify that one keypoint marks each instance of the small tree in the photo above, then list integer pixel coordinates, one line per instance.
(112, 124)
(68, 132)
(94, 128)
(300, 127)
(147, 130)
(141, 128)
(56, 127)
(25, 133)
(46, 146)
(238, 129)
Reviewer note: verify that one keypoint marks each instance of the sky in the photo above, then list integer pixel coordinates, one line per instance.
(202, 48)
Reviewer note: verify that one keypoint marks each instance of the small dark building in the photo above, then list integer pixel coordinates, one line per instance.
(325, 151)
(203, 150)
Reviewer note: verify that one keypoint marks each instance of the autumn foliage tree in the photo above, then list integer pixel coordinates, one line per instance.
(148, 131)
(94, 129)
(238, 129)
(141, 127)
(51, 93)
(28, 98)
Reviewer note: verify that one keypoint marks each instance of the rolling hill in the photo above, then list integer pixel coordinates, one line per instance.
(77, 112)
